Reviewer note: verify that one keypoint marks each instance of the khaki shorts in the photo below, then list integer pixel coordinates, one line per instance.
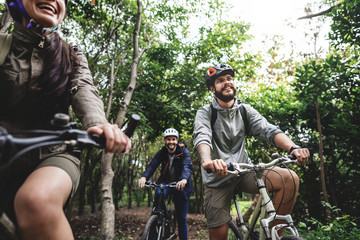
(68, 163)
(217, 201)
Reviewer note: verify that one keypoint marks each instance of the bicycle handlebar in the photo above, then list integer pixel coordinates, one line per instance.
(161, 186)
(71, 137)
(236, 168)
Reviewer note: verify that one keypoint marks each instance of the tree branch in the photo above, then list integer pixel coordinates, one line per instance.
(319, 13)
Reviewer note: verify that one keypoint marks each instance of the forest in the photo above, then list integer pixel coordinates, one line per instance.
(149, 57)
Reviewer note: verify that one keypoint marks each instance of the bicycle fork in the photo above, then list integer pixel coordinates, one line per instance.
(268, 216)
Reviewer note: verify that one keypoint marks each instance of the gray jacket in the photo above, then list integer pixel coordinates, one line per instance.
(22, 66)
(226, 139)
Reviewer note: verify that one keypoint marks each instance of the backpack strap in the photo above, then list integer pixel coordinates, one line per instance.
(5, 44)
(213, 115)
(242, 112)
(244, 117)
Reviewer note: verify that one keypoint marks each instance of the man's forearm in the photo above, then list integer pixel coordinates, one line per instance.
(283, 141)
(204, 153)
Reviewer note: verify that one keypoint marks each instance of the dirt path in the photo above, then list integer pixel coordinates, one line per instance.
(129, 224)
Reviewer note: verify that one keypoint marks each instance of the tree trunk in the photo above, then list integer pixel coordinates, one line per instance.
(108, 209)
(251, 209)
(321, 155)
(107, 205)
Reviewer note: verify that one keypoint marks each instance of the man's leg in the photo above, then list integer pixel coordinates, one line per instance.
(39, 205)
(219, 233)
(181, 208)
(285, 184)
(217, 202)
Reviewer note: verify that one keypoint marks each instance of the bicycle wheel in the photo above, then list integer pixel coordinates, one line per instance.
(235, 230)
(170, 228)
(151, 229)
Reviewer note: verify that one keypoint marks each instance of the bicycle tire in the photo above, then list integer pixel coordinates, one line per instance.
(170, 229)
(235, 230)
(151, 229)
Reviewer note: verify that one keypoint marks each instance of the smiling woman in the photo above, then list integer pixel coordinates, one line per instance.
(46, 13)
(40, 76)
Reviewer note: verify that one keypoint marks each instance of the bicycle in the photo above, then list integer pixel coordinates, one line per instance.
(162, 223)
(264, 209)
(12, 148)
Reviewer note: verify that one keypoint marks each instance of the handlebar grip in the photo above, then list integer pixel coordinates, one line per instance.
(134, 121)
(229, 166)
(292, 157)
(101, 140)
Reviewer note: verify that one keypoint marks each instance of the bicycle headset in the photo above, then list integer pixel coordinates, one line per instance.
(216, 71)
(17, 11)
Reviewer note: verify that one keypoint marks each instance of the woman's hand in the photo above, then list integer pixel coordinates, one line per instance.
(116, 140)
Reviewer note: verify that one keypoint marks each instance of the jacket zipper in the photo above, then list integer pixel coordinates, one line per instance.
(41, 43)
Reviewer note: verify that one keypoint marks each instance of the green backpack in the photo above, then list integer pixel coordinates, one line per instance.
(5, 44)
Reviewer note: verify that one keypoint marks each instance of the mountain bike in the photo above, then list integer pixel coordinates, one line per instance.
(13, 147)
(162, 223)
(264, 209)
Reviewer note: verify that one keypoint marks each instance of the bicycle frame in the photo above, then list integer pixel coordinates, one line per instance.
(267, 213)
(162, 211)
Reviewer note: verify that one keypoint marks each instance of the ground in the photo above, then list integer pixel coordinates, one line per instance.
(129, 224)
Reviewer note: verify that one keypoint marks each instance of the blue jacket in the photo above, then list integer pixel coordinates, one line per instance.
(183, 167)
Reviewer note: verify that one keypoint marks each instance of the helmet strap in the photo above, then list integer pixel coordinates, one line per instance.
(33, 24)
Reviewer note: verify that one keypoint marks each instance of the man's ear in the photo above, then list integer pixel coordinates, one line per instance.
(212, 89)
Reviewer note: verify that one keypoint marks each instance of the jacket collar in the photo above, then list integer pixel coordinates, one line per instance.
(28, 37)
(226, 111)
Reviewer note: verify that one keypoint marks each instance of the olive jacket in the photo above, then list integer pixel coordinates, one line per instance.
(22, 66)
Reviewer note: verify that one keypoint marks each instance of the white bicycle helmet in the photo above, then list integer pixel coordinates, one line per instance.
(171, 132)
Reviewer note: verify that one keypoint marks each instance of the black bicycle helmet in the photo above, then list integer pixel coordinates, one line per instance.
(216, 71)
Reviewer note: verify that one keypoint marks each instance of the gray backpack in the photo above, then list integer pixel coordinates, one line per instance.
(5, 44)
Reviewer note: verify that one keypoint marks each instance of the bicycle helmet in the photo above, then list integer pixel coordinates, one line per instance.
(171, 132)
(17, 11)
(216, 71)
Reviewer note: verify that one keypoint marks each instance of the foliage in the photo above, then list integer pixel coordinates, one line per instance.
(346, 23)
(335, 83)
(343, 227)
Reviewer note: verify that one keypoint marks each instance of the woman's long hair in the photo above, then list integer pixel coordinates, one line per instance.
(60, 61)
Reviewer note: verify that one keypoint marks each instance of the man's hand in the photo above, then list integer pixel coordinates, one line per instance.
(217, 166)
(142, 181)
(181, 184)
(302, 155)
(116, 140)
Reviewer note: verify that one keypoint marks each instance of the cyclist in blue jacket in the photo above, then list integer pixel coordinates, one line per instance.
(176, 166)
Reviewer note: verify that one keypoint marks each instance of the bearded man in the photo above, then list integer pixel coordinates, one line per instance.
(176, 166)
(219, 138)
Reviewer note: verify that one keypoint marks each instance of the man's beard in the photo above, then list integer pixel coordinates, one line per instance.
(169, 148)
(225, 98)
